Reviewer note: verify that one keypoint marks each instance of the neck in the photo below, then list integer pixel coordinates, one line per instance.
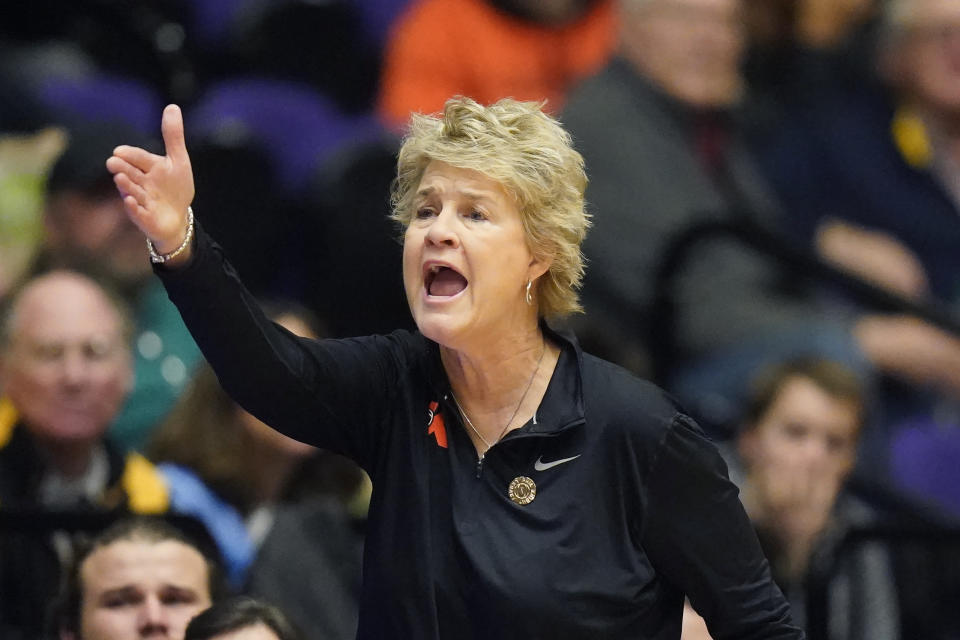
(499, 389)
(69, 459)
(489, 372)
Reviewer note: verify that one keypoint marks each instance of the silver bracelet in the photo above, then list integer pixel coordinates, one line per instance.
(156, 258)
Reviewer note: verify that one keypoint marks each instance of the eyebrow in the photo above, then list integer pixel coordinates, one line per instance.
(130, 590)
(182, 592)
(469, 194)
(125, 592)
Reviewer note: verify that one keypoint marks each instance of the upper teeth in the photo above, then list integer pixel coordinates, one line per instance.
(435, 268)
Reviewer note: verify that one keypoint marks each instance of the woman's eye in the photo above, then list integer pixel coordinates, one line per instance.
(477, 215)
(424, 212)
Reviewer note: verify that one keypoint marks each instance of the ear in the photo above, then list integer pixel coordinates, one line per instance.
(538, 266)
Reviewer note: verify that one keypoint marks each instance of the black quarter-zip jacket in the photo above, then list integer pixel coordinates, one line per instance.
(632, 510)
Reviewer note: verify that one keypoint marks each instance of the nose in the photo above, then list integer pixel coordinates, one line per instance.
(442, 230)
(816, 452)
(152, 617)
(74, 368)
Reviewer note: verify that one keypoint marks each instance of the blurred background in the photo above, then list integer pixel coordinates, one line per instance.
(770, 180)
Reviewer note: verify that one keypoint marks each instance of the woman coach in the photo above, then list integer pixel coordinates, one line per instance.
(522, 489)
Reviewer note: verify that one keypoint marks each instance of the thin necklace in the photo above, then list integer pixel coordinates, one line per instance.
(503, 432)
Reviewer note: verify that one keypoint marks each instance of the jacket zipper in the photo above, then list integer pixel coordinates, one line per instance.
(480, 457)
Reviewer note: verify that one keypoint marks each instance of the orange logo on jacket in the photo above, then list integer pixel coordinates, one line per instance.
(436, 426)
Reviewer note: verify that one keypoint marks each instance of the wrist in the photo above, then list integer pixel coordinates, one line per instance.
(158, 257)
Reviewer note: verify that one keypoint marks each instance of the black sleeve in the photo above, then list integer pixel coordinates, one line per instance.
(330, 393)
(698, 536)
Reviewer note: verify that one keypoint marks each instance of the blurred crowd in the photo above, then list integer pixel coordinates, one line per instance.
(775, 200)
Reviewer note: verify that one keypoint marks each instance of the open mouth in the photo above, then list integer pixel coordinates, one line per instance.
(444, 282)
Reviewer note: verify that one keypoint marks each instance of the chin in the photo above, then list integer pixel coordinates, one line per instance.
(439, 332)
(69, 431)
(439, 327)
(712, 93)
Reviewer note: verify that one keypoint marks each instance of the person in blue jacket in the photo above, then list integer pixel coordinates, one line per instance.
(521, 488)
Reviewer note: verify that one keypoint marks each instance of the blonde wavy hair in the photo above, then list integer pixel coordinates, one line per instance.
(531, 156)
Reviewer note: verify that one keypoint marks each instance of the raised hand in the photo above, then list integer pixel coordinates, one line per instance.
(157, 190)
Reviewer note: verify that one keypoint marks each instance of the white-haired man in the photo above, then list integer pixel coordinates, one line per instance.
(65, 370)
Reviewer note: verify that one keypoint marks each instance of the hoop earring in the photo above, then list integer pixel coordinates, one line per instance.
(528, 297)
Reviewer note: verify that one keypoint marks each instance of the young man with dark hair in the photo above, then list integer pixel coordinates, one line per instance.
(242, 618)
(141, 577)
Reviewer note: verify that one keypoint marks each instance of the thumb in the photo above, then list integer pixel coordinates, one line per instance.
(171, 126)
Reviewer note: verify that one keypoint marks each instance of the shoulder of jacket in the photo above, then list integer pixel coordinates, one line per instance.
(618, 391)
(144, 485)
(8, 419)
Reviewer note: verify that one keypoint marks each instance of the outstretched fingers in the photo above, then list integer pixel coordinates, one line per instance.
(141, 216)
(134, 208)
(117, 165)
(128, 187)
(137, 157)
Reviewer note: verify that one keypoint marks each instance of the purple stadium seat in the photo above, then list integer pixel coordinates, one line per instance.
(925, 460)
(297, 126)
(378, 16)
(101, 98)
(212, 20)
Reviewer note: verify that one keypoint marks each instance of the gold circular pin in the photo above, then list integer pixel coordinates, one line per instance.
(522, 490)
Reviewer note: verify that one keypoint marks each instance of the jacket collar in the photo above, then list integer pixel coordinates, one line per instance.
(22, 468)
(562, 404)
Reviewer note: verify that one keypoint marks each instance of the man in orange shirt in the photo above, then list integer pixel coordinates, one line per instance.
(491, 49)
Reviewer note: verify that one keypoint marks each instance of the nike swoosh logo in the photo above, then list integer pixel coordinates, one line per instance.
(540, 465)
